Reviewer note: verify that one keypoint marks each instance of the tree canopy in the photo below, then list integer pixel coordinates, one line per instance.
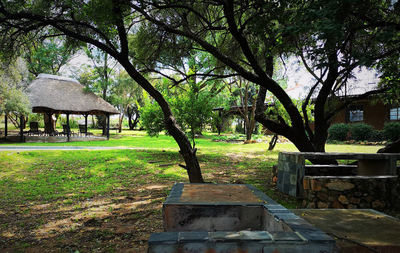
(105, 25)
(13, 83)
(331, 38)
(47, 56)
(233, 38)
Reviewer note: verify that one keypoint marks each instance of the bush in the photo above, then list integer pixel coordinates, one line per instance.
(219, 138)
(239, 128)
(392, 131)
(72, 122)
(338, 132)
(377, 136)
(361, 131)
(36, 117)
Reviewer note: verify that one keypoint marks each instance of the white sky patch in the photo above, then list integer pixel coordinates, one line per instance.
(299, 82)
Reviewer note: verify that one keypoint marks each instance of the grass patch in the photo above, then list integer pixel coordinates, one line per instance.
(106, 200)
(52, 174)
(48, 175)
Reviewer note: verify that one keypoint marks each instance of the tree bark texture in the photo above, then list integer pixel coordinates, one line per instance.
(186, 149)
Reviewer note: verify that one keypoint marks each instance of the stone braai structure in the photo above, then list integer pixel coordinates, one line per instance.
(372, 183)
(232, 218)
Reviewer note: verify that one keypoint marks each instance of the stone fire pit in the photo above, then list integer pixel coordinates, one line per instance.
(232, 218)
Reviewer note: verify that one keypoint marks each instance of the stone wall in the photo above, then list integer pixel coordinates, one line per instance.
(352, 192)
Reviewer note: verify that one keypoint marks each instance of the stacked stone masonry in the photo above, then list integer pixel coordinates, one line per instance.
(379, 192)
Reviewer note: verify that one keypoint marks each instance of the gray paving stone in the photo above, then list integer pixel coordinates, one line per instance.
(164, 238)
(286, 237)
(316, 236)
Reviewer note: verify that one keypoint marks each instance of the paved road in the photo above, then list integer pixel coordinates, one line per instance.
(22, 148)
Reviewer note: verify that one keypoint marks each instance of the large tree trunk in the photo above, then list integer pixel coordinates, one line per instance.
(298, 138)
(249, 133)
(391, 148)
(186, 149)
(296, 133)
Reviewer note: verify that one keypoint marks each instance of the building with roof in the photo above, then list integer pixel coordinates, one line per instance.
(50, 94)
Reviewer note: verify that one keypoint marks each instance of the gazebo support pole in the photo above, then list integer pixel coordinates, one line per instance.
(108, 126)
(86, 115)
(5, 125)
(21, 128)
(68, 133)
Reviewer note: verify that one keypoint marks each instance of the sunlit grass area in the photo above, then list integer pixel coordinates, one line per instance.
(50, 174)
(84, 200)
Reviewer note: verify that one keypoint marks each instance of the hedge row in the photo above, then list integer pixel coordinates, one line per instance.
(362, 132)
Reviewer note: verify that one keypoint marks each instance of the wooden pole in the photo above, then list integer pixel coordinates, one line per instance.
(86, 115)
(21, 127)
(5, 124)
(108, 126)
(68, 126)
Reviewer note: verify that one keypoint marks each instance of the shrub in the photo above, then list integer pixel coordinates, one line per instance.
(36, 117)
(239, 128)
(392, 131)
(338, 131)
(72, 122)
(361, 131)
(377, 136)
(219, 138)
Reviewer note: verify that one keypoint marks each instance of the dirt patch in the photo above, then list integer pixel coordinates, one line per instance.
(120, 221)
(111, 223)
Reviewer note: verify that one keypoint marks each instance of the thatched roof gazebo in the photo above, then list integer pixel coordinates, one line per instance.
(62, 95)
(50, 94)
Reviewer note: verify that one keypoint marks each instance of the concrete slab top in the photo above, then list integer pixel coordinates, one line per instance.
(366, 226)
(218, 194)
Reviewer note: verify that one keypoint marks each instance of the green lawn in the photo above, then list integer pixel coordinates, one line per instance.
(51, 199)
(47, 175)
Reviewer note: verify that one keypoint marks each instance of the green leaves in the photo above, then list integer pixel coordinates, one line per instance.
(48, 56)
(191, 106)
(12, 96)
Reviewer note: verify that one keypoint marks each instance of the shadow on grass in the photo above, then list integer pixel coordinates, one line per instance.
(122, 221)
(104, 200)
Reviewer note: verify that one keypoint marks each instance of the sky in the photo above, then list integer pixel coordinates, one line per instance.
(365, 80)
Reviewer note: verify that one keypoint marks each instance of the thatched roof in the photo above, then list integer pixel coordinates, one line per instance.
(61, 95)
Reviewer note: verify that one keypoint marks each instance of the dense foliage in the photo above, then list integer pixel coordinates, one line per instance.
(13, 83)
(361, 131)
(392, 131)
(339, 131)
(357, 132)
(193, 108)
